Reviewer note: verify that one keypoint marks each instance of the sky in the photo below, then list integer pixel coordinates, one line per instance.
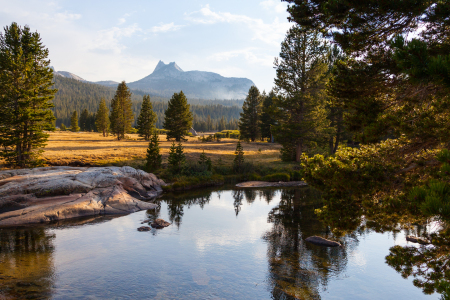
(124, 40)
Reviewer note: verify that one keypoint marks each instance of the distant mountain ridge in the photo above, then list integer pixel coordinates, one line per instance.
(169, 78)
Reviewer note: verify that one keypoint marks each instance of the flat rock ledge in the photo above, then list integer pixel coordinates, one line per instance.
(57, 193)
(320, 241)
(250, 184)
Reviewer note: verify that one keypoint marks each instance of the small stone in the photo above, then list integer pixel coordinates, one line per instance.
(159, 224)
(144, 228)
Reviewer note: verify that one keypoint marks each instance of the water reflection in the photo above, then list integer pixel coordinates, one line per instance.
(26, 263)
(177, 203)
(297, 269)
(233, 260)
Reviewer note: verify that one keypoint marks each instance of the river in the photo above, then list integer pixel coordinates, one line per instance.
(223, 243)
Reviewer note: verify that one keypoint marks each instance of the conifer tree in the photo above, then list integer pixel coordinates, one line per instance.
(204, 160)
(74, 122)
(178, 118)
(121, 111)
(102, 118)
(176, 158)
(238, 158)
(267, 119)
(147, 119)
(84, 120)
(63, 127)
(249, 122)
(25, 96)
(301, 78)
(154, 159)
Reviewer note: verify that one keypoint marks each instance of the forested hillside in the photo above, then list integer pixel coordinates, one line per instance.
(77, 96)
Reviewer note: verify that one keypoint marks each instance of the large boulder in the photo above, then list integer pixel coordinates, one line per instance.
(56, 193)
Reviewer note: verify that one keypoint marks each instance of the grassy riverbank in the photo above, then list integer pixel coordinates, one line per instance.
(92, 149)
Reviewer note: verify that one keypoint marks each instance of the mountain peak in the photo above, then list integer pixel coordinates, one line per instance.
(172, 65)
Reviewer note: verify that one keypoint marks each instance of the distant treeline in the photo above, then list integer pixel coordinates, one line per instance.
(74, 95)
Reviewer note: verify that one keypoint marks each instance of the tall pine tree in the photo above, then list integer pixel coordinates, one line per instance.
(102, 118)
(84, 120)
(176, 158)
(74, 122)
(267, 119)
(154, 159)
(121, 111)
(147, 119)
(25, 96)
(249, 123)
(301, 79)
(178, 118)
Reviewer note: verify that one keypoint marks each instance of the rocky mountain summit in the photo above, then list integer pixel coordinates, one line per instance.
(57, 193)
(167, 79)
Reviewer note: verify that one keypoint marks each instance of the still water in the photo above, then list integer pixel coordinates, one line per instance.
(222, 244)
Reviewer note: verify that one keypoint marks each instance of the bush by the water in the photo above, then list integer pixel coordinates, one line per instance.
(277, 177)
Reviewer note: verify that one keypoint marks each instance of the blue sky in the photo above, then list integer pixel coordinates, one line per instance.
(124, 40)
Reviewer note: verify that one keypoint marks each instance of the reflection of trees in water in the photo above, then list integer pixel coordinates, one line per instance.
(297, 269)
(429, 266)
(26, 263)
(250, 195)
(238, 196)
(176, 203)
(267, 194)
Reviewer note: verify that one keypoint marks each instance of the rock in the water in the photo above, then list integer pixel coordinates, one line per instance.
(144, 228)
(418, 240)
(57, 193)
(319, 241)
(159, 224)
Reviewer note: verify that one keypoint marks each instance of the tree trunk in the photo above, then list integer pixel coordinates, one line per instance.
(338, 132)
(298, 151)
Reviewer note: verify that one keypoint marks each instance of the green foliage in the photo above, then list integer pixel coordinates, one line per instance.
(102, 122)
(25, 96)
(76, 95)
(238, 162)
(267, 118)
(429, 266)
(301, 78)
(196, 169)
(74, 122)
(296, 176)
(121, 116)
(206, 161)
(147, 119)
(186, 183)
(254, 177)
(178, 118)
(249, 122)
(153, 159)
(288, 152)
(176, 158)
(87, 121)
(63, 127)
(277, 177)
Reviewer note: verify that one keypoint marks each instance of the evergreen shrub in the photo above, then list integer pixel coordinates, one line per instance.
(277, 177)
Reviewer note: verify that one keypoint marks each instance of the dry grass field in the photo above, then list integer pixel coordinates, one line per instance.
(91, 148)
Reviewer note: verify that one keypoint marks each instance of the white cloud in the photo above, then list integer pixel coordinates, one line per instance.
(272, 5)
(166, 27)
(123, 19)
(248, 54)
(109, 39)
(270, 33)
(65, 16)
